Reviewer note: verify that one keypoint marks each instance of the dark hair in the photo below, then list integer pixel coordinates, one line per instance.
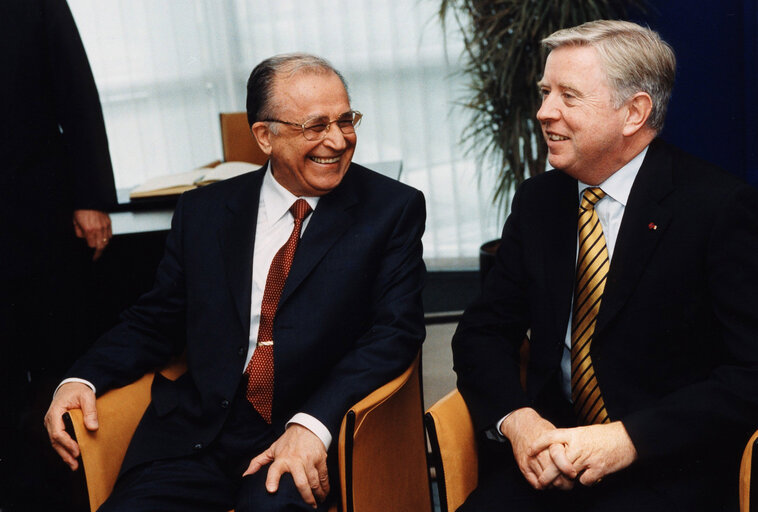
(259, 103)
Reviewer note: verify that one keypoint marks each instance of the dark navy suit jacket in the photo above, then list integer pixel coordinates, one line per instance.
(676, 343)
(349, 319)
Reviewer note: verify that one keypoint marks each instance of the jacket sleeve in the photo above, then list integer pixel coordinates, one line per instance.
(78, 111)
(396, 332)
(487, 341)
(151, 332)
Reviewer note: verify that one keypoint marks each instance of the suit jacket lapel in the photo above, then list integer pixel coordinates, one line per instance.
(644, 223)
(560, 236)
(237, 239)
(329, 221)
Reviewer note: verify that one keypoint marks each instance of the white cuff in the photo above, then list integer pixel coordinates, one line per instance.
(314, 425)
(74, 379)
(496, 434)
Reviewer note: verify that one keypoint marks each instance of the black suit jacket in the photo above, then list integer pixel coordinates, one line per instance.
(676, 343)
(349, 319)
(54, 159)
(53, 146)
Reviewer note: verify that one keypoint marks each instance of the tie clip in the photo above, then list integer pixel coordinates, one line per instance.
(264, 343)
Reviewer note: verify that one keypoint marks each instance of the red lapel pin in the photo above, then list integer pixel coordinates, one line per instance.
(652, 226)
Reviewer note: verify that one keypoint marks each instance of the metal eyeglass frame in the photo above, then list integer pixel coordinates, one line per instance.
(357, 116)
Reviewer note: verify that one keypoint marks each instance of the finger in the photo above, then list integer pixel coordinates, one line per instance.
(303, 485)
(258, 462)
(560, 459)
(563, 484)
(543, 442)
(63, 444)
(88, 405)
(590, 477)
(64, 454)
(531, 471)
(273, 476)
(78, 230)
(323, 476)
(56, 431)
(314, 482)
(98, 253)
(93, 237)
(549, 470)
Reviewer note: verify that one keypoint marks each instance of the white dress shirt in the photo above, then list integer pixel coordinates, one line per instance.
(274, 226)
(610, 211)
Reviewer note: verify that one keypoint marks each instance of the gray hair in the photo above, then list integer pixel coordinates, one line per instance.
(635, 59)
(260, 104)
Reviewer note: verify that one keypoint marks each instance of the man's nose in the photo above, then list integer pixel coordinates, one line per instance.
(547, 111)
(335, 139)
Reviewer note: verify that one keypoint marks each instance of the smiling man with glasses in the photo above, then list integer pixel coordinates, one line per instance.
(293, 292)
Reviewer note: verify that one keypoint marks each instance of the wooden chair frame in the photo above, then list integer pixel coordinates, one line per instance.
(454, 455)
(453, 450)
(391, 414)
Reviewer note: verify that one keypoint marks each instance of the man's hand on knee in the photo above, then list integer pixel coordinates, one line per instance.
(300, 452)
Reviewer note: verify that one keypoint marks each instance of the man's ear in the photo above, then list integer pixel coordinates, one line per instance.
(263, 135)
(639, 108)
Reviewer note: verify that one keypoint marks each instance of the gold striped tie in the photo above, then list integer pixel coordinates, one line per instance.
(591, 273)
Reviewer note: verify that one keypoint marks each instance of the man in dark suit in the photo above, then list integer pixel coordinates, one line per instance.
(56, 183)
(632, 266)
(269, 376)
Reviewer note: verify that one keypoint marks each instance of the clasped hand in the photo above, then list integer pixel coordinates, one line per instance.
(551, 457)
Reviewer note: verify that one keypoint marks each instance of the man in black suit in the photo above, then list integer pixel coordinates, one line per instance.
(632, 268)
(347, 319)
(56, 183)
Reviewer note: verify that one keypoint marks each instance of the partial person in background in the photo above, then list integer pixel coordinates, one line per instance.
(633, 268)
(56, 183)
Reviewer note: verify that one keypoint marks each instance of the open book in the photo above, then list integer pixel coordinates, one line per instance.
(175, 184)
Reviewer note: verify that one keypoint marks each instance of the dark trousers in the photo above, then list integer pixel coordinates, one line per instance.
(638, 488)
(212, 479)
(42, 331)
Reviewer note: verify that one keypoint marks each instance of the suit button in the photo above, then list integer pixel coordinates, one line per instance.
(225, 404)
(242, 351)
(198, 446)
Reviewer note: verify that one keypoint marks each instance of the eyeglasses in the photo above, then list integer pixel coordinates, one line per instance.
(317, 127)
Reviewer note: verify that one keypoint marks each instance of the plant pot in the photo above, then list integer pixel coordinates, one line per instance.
(487, 258)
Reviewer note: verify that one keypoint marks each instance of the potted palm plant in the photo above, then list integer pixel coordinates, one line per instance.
(503, 61)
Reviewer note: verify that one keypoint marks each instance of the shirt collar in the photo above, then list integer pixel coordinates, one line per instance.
(277, 200)
(619, 184)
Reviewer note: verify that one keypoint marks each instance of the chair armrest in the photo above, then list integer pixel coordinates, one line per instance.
(454, 451)
(746, 474)
(102, 451)
(382, 453)
(119, 411)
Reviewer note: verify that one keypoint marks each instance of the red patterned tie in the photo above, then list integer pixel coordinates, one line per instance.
(260, 369)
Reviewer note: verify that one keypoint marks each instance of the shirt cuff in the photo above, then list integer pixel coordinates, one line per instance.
(74, 379)
(495, 434)
(314, 425)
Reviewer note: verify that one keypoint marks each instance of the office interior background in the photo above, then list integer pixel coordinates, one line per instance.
(166, 69)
